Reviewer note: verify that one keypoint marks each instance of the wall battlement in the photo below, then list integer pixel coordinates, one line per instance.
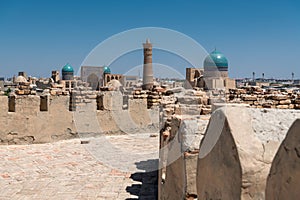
(29, 119)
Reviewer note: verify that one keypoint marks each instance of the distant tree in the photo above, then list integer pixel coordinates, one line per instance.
(7, 92)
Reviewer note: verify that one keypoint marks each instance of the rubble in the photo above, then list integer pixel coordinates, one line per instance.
(259, 98)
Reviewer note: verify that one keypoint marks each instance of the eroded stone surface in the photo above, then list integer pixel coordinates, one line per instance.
(256, 135)
(284, 177)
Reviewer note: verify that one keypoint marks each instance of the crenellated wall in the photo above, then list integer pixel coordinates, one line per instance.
(27, 124)
(35, 119)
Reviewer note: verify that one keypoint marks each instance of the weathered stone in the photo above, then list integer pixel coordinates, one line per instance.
(20, 92)
(282, 106)
(205, 111)
(285, 102)
(297, 101)
(249, 98)
(267, 105)
(237, 150)
(53, 92)
(189, 100)
(284, 177)
(279, 97)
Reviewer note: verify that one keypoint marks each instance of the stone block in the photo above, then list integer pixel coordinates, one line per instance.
(249, 98)
(20, 92)
(285, 102)
(282, 106)
(205, 111)
(236, 152)
(279, 97)
(189, 100)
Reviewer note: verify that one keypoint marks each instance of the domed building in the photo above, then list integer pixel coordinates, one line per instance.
(215, 65)
(67, 72)
(108, 76)
(213, 75)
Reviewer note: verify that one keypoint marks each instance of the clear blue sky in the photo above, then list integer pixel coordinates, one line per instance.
(261, 36)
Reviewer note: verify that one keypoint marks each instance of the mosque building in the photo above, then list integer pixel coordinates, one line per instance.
(108, 76)
(68, 80)
(67, 72)
(213, 75)
(98, 76)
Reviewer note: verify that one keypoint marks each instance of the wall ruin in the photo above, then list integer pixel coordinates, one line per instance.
(236, 157)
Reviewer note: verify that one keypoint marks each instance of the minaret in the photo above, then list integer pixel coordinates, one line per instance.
(147, 69)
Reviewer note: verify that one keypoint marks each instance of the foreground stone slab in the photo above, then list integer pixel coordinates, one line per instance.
(178, 157)
(284, 178)
(237, 151)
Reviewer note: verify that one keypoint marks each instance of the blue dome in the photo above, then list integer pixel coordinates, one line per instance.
(216, 59)
(106, 70)
(67, 68)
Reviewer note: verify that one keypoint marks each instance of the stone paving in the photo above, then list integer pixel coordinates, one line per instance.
(110, 167)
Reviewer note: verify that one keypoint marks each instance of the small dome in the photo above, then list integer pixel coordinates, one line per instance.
(21, 79)
(215, 59)
(67, 68)
(106, 70)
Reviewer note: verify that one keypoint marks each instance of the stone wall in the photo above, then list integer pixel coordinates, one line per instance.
(30, 125)
(246, 153)
(62, 117)
(183, 121)
(261, 98)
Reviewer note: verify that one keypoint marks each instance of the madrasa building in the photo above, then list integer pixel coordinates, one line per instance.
(213, 75)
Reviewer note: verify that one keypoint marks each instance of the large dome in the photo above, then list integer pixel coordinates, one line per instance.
(216, 59)
(106, 70)
(67, 68)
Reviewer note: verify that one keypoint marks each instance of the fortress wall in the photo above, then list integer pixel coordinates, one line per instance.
(138, 112)
(57, 123)
(29, 122)
(29, 105)
(237, 151)
(30, 125)
(3, 106)
(107, 123)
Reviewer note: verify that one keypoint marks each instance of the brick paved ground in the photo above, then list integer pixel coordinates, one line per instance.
(113, 167)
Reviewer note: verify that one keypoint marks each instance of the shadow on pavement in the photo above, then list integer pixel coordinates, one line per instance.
(147, 189)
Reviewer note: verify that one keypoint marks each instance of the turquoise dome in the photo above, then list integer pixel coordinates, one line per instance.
(106, 70)
(216, 59)
(67, 68)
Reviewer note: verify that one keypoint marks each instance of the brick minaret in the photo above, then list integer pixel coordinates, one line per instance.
(147, 69)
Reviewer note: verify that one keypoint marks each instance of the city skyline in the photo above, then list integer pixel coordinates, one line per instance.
(260, 37)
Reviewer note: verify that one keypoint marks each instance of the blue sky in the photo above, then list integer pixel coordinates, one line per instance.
(261, 36)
